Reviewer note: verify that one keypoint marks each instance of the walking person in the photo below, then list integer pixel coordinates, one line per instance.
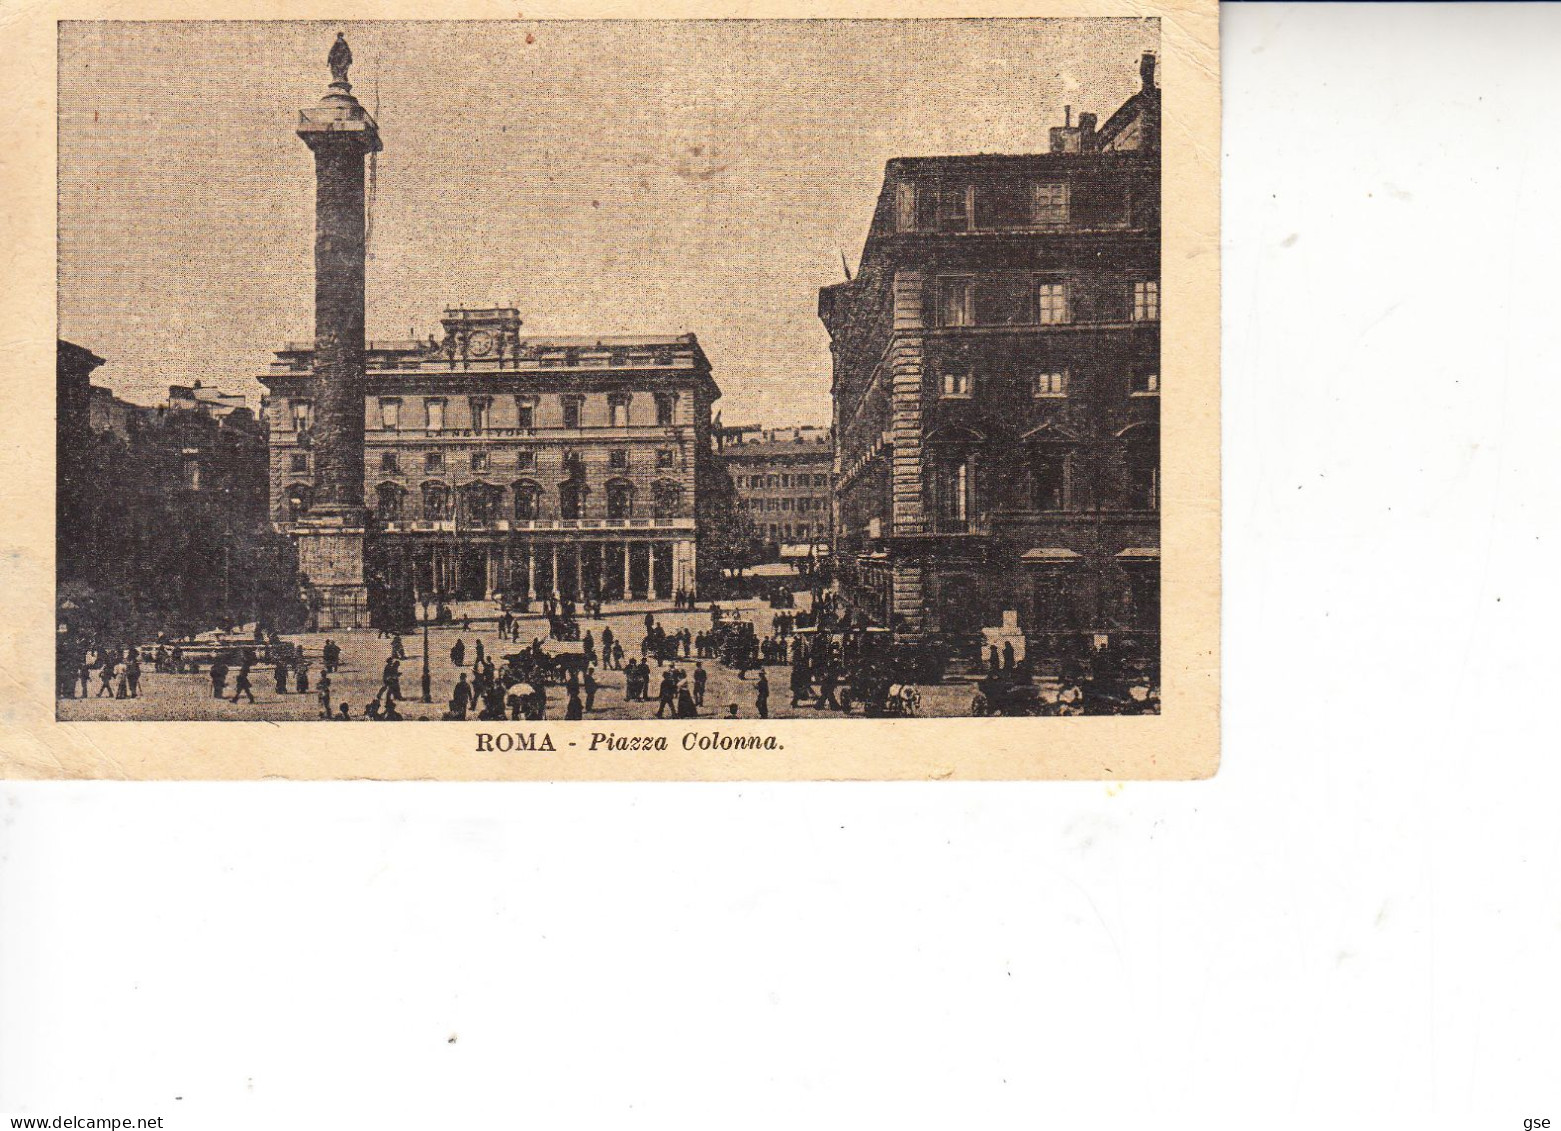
(325, 694)
(462, 698)
(590, 688)
(219, 678)
(458, 653)
(573, 711)
(665, 698)
(801, 682)
(701, 677)
(241, 685)
(761, 695)
(133, 674)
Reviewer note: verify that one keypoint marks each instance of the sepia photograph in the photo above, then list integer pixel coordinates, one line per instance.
(609, 370)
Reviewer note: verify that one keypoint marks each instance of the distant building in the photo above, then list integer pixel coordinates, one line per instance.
(782, 477)
(997, 391)
(74, 366)
(495, 463)
(161, 508)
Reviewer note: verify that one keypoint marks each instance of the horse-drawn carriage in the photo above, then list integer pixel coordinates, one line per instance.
(880, 696)
(1010, 695)
(548, 665)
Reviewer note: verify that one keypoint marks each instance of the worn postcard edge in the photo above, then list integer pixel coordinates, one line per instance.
(1180, 743)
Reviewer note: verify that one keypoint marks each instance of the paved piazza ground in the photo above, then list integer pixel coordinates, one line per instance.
(363, 655)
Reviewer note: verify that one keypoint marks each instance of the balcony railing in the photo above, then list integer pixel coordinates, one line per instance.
(504, 525)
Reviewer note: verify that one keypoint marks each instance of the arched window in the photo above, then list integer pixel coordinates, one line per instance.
(620, 499)
(571, 499)
(1049, 475)
(299, 498)
(953, 483)
(1141, 464)
(390, 501)
(481, 503)
(436, 502)
(528, 501)
(668, 500)
(952, 479)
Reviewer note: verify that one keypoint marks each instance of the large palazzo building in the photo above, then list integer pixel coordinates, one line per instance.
(997, 391)
(499, 464)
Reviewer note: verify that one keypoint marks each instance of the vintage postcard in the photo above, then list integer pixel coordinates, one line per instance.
(666, 398)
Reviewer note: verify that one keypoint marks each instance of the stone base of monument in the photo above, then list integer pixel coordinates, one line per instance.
(330, 558)
(1008, 632)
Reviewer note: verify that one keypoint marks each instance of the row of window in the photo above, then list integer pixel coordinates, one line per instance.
(805, 531)
(992, 204)
(960, 382)
(784, 479)
(435, 463)
(393, 414)
(480, 503)
(1026, 300)
(957, 495)
(786, 504)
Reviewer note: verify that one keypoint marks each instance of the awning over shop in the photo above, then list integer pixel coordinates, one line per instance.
(1050, 555)
(1139, 554)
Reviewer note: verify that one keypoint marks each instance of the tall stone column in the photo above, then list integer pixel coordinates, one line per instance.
(341, 133)
(331, 536)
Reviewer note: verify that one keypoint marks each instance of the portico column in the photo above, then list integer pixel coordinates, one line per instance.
(531, 570)
(579, 571)
(650, 567)
(555, 568)
(626, 570)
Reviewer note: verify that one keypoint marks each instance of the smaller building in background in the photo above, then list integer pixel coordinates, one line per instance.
(783, 479)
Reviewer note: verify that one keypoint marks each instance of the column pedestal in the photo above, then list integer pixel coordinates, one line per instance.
(330, 556)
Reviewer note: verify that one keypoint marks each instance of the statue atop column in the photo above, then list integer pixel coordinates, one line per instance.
(340, 59)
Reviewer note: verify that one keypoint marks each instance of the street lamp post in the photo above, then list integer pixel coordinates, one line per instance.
(428, 691)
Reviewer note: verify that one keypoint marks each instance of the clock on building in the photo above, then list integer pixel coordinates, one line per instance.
(481, 343)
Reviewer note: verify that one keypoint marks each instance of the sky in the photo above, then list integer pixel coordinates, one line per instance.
(604, 177)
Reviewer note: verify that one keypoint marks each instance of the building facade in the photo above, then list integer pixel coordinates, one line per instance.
(498, 465)
(996, 391)
(783, 477)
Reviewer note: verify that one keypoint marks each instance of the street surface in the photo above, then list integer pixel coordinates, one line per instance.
(188, 697)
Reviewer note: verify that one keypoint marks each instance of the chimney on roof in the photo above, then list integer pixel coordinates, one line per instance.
(1087, 132)
(1067, 117)
(1146, 70)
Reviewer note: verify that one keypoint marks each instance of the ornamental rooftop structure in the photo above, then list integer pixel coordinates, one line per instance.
(996, 392)
(496, 463)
